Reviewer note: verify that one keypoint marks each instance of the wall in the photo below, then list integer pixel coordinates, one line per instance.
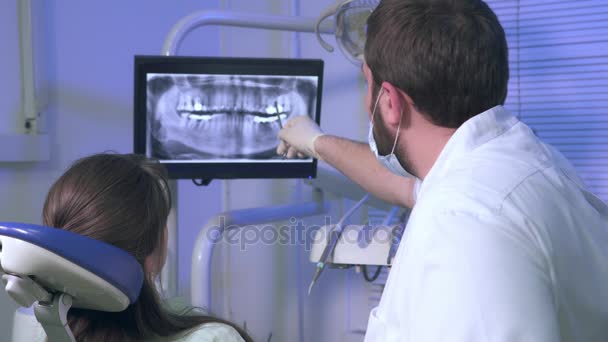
(9, 106)
(89, 48)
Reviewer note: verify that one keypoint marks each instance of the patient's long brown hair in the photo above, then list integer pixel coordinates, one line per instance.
(122, 200)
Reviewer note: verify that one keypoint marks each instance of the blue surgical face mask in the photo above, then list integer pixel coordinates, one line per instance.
(389, 161)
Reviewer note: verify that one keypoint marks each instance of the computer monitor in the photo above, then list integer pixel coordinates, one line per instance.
(218, 118)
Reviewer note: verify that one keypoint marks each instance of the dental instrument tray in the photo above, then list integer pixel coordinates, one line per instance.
(218, 118)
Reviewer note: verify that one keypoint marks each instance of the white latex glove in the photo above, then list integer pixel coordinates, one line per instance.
(298, 137)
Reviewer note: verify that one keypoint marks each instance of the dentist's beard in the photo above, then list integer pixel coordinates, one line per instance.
(382, 135)
(385, 140)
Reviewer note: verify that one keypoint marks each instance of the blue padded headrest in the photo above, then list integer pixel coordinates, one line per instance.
(110, 263)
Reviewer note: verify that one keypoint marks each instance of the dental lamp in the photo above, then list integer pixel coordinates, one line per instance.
(348, 26)
(350, 18)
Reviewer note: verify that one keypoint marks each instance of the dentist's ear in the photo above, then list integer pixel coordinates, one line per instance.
(396, 104)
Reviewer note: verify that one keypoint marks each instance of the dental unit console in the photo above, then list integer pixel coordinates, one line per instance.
(357, 245)
(218, 118)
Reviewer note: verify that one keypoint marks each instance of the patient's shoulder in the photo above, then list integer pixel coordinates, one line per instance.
(207, 332)
(211, 332)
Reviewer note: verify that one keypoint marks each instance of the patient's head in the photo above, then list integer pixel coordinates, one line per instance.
(119, 199)
(122, 200)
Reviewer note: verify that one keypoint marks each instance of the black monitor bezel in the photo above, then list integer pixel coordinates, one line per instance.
(222, 65)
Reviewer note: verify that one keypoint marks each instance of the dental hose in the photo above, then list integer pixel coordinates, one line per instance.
(387, 221)
(373, 277)
(335, 235)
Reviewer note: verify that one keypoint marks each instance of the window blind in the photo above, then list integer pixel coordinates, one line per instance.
(558, 55)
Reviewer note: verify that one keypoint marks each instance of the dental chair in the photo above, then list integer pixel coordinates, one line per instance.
(54, 270)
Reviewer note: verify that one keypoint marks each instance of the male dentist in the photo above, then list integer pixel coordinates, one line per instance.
(504, 243)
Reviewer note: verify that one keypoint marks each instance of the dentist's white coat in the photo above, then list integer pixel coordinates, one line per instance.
(504, 244)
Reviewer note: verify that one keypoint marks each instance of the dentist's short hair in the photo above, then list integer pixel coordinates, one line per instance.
(449, 56)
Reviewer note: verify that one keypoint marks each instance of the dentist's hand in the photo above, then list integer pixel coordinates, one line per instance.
(298, 137)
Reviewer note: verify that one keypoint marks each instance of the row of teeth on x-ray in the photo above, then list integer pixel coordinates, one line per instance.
(228, 125)
(194, 108)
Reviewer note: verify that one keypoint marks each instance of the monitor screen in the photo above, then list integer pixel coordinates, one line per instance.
(209, 118)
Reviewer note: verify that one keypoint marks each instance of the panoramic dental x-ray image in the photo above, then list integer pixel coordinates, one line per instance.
(228, 117)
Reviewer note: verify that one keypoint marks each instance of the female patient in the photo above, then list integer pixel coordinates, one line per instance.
(123, 200)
